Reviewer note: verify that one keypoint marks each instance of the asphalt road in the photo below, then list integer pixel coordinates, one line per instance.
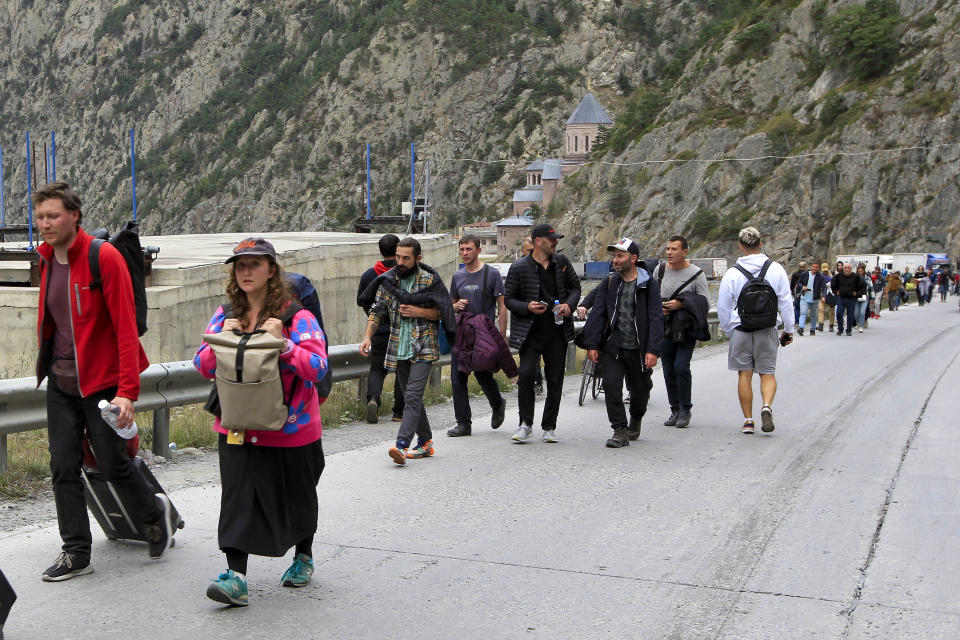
(841, 524)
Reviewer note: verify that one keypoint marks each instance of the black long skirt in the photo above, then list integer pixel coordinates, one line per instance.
(268, 500)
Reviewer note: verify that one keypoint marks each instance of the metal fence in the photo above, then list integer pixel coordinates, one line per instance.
(177, 384)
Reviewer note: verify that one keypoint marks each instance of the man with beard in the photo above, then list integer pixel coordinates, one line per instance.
(624, 333)
(378, 343)
(412, 298)
(540, 292)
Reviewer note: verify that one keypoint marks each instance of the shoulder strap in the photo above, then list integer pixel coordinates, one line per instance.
(684, 285)
(763, 271)
(483, 294)
(739, 268)
(662, 270)
(94, 257)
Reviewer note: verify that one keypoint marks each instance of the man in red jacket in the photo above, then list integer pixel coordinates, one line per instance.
(90, 350)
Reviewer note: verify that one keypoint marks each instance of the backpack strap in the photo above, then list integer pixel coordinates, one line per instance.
(684, 285)
(483, 294)
(662, 270)
(746, 273)
(763, 271)
(94, 258)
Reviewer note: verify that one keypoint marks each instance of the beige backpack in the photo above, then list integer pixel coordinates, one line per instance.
(248, 379)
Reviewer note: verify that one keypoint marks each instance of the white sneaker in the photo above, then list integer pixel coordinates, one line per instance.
(549, 436)
(859, 329)
(522, 433)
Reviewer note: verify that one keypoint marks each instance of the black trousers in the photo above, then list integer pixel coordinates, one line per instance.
(629, 364)
(552, 345)
(378, 373)
(66, 418)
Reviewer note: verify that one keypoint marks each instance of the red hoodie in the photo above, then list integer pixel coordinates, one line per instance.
(381, 268)
(104, 321)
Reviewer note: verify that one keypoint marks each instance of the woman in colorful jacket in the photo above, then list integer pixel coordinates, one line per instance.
(269, 478)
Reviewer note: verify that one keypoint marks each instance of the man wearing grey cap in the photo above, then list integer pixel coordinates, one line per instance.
(624, 332)
(541, 290)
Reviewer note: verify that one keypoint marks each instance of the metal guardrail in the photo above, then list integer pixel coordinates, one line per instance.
(177, 384)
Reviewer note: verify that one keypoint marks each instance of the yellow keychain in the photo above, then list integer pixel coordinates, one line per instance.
(235, 436)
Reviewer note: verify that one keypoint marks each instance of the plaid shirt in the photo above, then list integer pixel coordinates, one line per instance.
(426, 345)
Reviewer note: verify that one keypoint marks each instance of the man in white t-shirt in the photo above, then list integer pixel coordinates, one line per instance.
(754, 350)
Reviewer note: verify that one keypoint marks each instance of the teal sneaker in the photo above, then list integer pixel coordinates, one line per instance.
(229, 588)
(299, 573)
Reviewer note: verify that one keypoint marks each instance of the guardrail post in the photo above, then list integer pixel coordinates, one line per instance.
(436, 376)
(161, 432)
(362, 389)
(571, 357)
(3, 452)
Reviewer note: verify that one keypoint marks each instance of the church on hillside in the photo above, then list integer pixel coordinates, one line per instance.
(544, 175)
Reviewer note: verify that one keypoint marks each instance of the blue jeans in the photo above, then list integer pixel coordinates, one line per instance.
(675, 358)
(893, 300)
(461, 395)
(848, 307)
(808, 310)
(861, 312)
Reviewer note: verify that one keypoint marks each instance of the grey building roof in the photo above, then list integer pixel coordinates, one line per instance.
(528, 195)
(551, 169)
(516, 221)
(589, 111)
(536, 165)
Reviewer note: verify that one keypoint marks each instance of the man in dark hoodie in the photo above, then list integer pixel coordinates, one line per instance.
(378, 348)
(413, 301)
(624, 332)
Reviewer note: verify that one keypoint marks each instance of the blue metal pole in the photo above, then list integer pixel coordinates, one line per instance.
(133, 175)
(368, 181)
(413, 192)
(53, 156)
(29, 198)
(3, 208)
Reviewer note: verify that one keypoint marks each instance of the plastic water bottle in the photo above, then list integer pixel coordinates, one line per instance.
(556, 313)
(109, 413)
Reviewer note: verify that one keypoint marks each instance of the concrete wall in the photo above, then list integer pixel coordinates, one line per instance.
(188, 285)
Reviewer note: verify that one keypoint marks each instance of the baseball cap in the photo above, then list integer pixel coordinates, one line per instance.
(625, 244)
(544, 230)
(253, 247)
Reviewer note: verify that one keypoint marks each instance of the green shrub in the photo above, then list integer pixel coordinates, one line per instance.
(833, 106)
(638, 116)
(931, 103)
(864, 37)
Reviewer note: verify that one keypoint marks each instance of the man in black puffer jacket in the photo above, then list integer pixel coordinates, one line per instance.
(847, 286)
(539, 288)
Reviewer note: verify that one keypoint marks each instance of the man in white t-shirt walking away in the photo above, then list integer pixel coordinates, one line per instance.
(752, 293)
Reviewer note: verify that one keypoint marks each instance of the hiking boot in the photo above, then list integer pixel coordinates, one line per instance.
(813, 332)
(229, 588)
(299, 573)
(398, 454)
(683, 418)
(422, 450)
(747, 426)
(820, 327)
(458, 431)
(549, 435)
(633, 431)
(849, 332)
(672, 420)
(373, 412)
(839, 332)
(766, 418)
(522, 433)
(498, 415)
(67, 566)
(160, 535)
(619, 439)
(800, 330)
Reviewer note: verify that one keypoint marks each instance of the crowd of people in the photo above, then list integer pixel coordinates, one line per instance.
(271, 454)
(856, 294)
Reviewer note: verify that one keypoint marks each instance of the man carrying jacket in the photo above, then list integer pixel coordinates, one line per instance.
(378, 344)
(476, 289)
(812, 292)
(90, 350)
(623, 333)
(541, 289)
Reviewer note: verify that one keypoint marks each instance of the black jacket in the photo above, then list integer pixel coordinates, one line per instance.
(435, 296)
(369, 276)
(848, 286)
(599, 332)
(819, 285)
(523, 287)
(690, 320)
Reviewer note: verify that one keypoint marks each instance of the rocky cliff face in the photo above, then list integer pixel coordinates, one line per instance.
(791, 115)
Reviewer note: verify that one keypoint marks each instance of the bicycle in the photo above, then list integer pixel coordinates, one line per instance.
(592, 380)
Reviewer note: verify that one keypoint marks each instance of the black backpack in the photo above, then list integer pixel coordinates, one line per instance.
(757, 303)
(127, 242)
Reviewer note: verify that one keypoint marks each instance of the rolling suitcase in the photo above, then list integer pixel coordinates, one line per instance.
(104, 502)
(7, 598)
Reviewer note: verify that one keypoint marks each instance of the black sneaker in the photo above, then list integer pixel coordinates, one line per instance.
(159, 535)
(458, 431)
(67, 566)
(498, 415)
(800, 330)
(683, 419)
(619, 439)
(813, 332)
(672, 420)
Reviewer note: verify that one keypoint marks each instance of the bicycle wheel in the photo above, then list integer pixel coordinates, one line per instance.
(585, 380)
(597, 383)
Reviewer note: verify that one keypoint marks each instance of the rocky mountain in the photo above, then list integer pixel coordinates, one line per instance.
(829, 125)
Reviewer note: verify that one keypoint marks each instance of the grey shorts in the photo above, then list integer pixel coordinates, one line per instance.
(754, 350)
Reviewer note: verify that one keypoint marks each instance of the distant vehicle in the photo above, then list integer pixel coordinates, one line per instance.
(937, 261)
(902, 261)
(871, 260)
